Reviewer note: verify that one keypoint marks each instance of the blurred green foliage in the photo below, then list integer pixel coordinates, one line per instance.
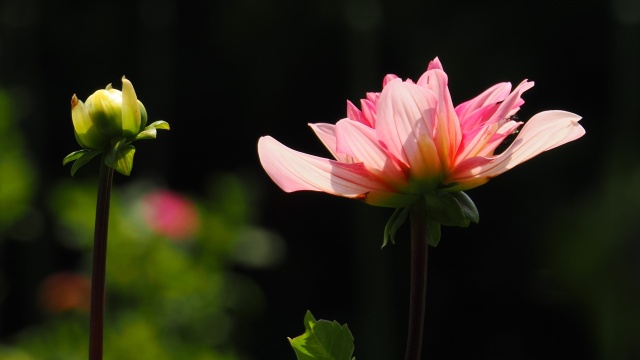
(168, 297)
(172, 292)
(17, 176)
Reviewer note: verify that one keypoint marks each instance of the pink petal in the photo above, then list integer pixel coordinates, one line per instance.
(326, 134)
(406, 117)
(496, 139)
(448, 134)
(435, 64)
(475, 138)
(387, 79)
(543, 132)
(493, 95)
(353, 112)
(360, 141)
(369, 113)
(294, 171)
(513, 102)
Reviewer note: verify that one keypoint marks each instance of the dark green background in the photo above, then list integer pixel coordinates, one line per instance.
(551, 272)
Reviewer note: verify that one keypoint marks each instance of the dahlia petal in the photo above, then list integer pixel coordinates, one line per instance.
(294, 171)
(545, 131)
(353, 112)
(406, 116)
(435, 64)
(492, 95)
(326, 134)
(387, 79)
(448, 134)
(512, 103)
(360, 141)
(479, 133)
(496, 139)
(369, 112)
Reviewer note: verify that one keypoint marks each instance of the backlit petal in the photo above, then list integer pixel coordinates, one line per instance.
(360, 141)
(469, 112)
(326, 133)
(543, 132)
(293, 171)
(448, 135)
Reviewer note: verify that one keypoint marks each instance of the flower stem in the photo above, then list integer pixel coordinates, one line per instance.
(417, 295)
(99, 261)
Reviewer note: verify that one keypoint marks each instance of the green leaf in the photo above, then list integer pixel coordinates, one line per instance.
(323, 340)
(160, 125)
(394, 223)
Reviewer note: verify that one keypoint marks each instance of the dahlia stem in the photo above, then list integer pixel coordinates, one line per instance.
(99, 261)
(417, 295)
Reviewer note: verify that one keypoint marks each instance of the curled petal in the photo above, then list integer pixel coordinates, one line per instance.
(543, 132)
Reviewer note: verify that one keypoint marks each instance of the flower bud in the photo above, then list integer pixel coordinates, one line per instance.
(108, 114)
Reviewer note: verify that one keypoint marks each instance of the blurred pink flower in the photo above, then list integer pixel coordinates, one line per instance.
(64, 291)
(170, 214)
(410, 140)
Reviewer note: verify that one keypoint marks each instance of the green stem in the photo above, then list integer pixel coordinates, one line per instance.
(99, 261)
(417, 295)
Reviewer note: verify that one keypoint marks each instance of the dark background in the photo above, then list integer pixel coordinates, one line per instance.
(552, 271)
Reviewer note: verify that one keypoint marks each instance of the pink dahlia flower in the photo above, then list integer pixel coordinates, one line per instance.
(409, 141)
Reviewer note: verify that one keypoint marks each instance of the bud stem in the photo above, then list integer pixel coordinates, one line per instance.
(417, 296)
(99, 261)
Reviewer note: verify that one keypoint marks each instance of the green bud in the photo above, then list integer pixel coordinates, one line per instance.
(107, 115)
(107, 123)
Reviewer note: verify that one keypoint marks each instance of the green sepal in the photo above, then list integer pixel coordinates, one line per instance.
(120, 157)
(160, 125)
(434, 230)
(467, 205)
(80, 158)
(73, 156)
(394, 223)
(451, 208)
(323, 340)
(150, 131)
